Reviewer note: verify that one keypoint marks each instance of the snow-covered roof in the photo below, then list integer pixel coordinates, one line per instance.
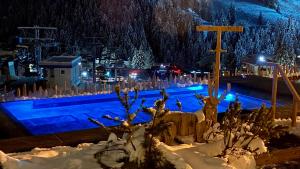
(61, 61)
(254, 59)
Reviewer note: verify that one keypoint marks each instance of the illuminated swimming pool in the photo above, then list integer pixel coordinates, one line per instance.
(50, 116)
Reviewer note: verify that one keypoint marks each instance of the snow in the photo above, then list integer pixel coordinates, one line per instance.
(55, 158)
(199, 156)
(185, 139)
(288, 122)
(248, 11)
(242, 162)
(290, 8)
(184, 156)
(200, 116)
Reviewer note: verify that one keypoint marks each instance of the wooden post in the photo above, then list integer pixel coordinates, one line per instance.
(34, 88)
(76, 91)
(104, 87)
(274, 91)
(65, 87)
(295, 111)
(5, 93)
(170, 79)
(95, 88)
(18, 92)
(46, 93)
(56, 90)
(40, 91)
(219, 30)
(218, 62)
(175, 80)
(24, 90)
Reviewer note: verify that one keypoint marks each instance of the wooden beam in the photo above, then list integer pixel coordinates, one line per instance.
(289, 84)
(274, 91)
(219, 50)
(220, 28)
(295, 112)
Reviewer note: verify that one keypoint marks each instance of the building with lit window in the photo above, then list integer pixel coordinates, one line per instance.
(61, 70)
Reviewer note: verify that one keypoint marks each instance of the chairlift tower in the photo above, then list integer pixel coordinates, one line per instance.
(37, 40)
(94, 42)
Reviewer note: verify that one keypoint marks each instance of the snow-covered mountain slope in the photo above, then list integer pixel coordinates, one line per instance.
(248, 11)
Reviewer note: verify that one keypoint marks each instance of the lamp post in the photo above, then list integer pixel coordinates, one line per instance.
(261, 59)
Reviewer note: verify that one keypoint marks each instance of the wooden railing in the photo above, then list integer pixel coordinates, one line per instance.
(296, 98)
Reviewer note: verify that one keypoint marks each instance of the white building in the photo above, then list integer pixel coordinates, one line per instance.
(61, 70)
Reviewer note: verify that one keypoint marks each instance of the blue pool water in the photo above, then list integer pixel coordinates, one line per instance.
(48, 116)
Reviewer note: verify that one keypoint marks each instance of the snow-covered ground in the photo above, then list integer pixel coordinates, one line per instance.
(288, 122)
(199, 155)
(248, 11)
(184, 156)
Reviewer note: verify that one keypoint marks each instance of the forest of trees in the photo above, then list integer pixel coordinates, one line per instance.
(147, 31)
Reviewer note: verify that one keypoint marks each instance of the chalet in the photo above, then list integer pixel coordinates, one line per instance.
(253, 65)
(63, 71)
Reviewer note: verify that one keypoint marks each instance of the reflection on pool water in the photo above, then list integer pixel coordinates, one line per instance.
(47, 116)
(196, 88)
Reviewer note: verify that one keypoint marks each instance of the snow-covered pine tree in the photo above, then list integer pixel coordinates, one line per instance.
(141, 59)
(260, 19)
(285, 49)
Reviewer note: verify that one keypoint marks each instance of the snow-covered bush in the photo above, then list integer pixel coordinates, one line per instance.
(211, 103)
(137, 148)
(244, 135)
(157, 127)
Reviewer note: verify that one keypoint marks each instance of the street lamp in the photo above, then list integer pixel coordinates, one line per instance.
(262, 59)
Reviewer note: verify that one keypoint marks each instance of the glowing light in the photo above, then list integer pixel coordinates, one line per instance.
(197, 72)
(262, 59)
(162, 66)
(79, 63)
(84, 74)
(195, 88)
(107, 74)
(230, 97)
(133, 75)
(298, 57)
